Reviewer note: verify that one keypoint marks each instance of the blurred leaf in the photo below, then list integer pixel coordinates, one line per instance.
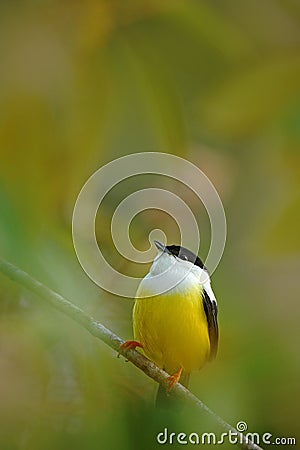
(210, 26)
(246, 104)
(283, 236)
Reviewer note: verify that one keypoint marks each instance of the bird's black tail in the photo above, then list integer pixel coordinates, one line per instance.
(165, 400)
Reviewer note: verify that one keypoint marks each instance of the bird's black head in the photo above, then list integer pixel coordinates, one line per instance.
(181, 252)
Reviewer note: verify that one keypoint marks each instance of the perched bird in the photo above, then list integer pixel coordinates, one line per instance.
(175, 315)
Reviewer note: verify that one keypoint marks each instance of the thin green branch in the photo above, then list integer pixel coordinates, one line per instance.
(101, 332)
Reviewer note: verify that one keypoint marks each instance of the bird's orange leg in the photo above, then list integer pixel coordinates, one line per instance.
(173, 379)
(129, 345)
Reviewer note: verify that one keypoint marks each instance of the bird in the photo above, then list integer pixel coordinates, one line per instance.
(175, 313)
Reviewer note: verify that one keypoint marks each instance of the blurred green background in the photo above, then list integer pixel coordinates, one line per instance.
(81, 83)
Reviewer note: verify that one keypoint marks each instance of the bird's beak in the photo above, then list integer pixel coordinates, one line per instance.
(160, 247)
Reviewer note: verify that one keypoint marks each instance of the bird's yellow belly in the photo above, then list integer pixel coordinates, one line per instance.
(173, 330)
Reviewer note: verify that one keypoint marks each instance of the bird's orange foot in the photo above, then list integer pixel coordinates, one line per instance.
(173, 379)
(129, 345)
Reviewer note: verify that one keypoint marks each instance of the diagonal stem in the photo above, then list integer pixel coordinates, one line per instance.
(104, 334)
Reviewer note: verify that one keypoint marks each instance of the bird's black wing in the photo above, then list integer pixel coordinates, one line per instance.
(211, 312)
